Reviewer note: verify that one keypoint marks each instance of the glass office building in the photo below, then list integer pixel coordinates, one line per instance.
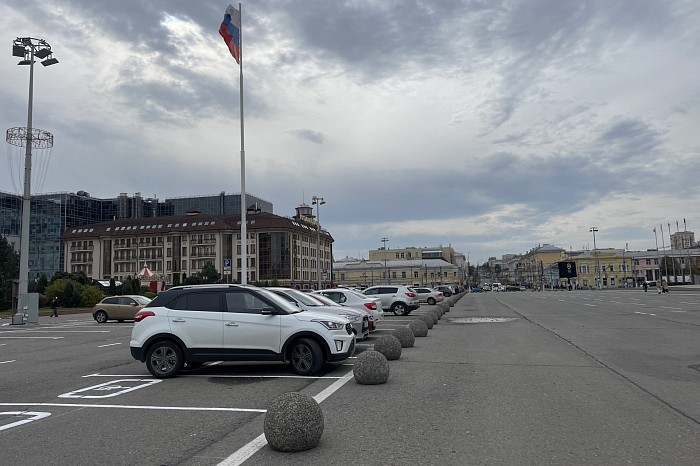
(53, 213)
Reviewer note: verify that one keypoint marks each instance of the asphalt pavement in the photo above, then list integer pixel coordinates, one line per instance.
(582, 377)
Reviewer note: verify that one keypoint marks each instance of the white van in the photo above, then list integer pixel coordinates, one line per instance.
(498, 287)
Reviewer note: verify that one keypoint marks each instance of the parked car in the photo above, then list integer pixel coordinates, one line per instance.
(358, 319)
(445, 290)
(198, 323)
(427, 295)
(398, 299)
(476, 289)
(352, 298)
(119, 308)
(329, 302)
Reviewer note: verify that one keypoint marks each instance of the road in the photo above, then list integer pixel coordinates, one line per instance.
(581, 377)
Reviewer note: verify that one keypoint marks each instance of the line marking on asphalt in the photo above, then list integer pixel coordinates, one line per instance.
(34, 338)
(163, 408)
(590, 305)
(7, 362)
(111, 344)
(248, 450)
(35, 416)
(667, 307)
(220, 376)
(692, 304)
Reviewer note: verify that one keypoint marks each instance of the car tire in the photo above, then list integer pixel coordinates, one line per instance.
(431, 301)
(164, 359)
(306, 356)
(101, 317)
(399, 309)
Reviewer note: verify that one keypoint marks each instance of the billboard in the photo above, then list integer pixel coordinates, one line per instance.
(567, 269)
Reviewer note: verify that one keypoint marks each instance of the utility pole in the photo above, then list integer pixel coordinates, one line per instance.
(386, 271)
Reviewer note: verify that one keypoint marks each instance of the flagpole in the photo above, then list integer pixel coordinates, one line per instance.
(244, 230)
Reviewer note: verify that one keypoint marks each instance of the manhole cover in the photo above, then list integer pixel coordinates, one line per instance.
(482, 320)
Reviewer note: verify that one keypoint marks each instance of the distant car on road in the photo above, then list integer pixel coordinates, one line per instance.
(427, 295)
(119, 308)
(399, 299)
(445, 290)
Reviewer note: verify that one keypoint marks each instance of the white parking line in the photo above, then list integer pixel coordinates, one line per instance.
(111, 344)
(34, 416)
(221, 376)
(5, 362)
(34, 338)
(245, 452)
(590, 305)
(667, 307)
(164, 408)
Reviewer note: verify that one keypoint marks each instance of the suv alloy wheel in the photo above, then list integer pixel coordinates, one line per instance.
(164, 359)
(306, 356)
(399, 309)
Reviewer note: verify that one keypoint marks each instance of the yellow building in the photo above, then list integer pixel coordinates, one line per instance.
(533, 263)
(428, 272)
(602, 268)
(441, 252)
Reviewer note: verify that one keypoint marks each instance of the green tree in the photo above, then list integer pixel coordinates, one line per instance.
(90, 296)
(9, 270)
(112, 287)
(209, 274)
(42, 283)
(55, 289)
(127, 287)
(71, 294)
(193, 280)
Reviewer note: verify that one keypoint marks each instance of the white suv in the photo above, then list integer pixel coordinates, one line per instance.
(398, 299)
(199, 323)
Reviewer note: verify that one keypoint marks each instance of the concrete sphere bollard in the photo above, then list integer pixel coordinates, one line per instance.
(437, 313)
(293, 422)
(445, 307)
(419, 328)
(389, 346)
(371, 368)
(428, 319)
(434, 316)
(452, 302)
(405, 336)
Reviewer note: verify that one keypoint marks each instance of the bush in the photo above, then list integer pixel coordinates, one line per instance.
(126, 287)
(55, 289)
(90, 296)
(149, 294)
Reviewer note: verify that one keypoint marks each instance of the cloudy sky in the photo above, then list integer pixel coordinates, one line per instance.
(491, 126)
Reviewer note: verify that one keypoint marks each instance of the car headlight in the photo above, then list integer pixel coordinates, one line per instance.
(330, 325)
(351, 317)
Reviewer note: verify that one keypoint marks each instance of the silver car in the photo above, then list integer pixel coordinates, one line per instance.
(398, 299)
(359, 320)
(427, 295)
(352, 298)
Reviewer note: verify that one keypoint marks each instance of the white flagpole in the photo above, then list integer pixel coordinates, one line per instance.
(244, 230)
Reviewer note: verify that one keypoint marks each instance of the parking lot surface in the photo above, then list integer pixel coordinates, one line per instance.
(582, 377)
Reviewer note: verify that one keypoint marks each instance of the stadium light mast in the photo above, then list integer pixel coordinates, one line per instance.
(28, 48)
(595, 254)
(318, 202)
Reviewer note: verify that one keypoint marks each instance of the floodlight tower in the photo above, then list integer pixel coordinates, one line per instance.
(28, 48)
(318, 202)
(596, 265)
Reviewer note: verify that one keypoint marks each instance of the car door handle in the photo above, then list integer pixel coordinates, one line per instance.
(231, 324)
(179, 319)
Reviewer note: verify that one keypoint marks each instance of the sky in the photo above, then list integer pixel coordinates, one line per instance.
(489, 126)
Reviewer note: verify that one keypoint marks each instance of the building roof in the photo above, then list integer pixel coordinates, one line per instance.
(194, 222)
(417, 263)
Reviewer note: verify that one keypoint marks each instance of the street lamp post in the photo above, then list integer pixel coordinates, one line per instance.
(596, 266)
(656, 240)
(28, 48)
(384, 240)
(318, 201)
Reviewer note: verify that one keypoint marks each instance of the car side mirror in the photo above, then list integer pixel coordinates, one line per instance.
(268, 311)
(134, 304)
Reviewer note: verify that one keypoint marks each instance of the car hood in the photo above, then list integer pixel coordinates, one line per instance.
(308, 316)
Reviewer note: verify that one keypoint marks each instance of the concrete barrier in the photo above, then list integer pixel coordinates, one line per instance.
(371, 368)
(419, 328)
(293, 422)
(428, 319)
(389, 346)
(405, 336)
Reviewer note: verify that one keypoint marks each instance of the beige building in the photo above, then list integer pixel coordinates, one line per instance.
(176, 247)
(445, 253)
(428, 272)
(532, 263)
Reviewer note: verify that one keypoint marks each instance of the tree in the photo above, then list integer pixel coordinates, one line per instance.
(71, 294)
(55, 289)
(112, 286)
(193, 280)
(42, 283)
(9, 270)
(127, 287)
(90, 296)
(209, 274)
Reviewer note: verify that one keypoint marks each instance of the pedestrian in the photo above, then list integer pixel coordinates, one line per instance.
(645, 287)
(658, 286)
(664, 286)
(54, 307)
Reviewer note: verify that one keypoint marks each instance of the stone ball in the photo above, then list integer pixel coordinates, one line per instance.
(405, 336)
(371, 368)
(428, 319)
(445, 307)
(436, 316)
(419, 328)
(389, 346)
(293, 422)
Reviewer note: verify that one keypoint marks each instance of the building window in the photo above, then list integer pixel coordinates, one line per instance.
(648, 261)
(393, 274)
(397, 255)
(403, 274)
(415, 274)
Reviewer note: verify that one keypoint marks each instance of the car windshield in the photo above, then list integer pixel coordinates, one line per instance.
(302, 297)
(324, 300)
(279, 301)
(141, 300)
(356, 293)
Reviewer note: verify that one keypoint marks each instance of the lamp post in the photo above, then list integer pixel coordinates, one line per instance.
(596, 266)
(318, 202)
(384, 241)
(656, 240)
(28, 48)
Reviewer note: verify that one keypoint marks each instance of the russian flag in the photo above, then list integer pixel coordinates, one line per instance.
(230, 30)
